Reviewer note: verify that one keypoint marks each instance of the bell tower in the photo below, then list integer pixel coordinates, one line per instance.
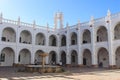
(58, 20)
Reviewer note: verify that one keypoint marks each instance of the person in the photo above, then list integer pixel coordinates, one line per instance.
(35, 62)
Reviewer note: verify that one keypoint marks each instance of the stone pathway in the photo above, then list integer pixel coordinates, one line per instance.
(10, 73)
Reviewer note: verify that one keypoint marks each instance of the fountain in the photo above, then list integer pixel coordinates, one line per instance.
(43, 68)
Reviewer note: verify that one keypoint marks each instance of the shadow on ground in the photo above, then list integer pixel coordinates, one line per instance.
(11, 73)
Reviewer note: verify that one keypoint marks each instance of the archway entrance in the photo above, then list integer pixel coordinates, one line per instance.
(102, 34)
(7, 57)
(52, 57)
(87, 60)
(8, 35)
(25, 37)
(40, 39)
(117, 54)
(86, 37)
(63, 40)
(117, 32)
(24, 56)
(74, 58)
(52, 40)
(73, 38)
(103, 57)
(63, 58)
(38, 57)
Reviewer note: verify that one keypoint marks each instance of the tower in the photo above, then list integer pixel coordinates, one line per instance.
(58, 20)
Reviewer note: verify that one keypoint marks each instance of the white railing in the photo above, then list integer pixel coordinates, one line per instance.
(9, 21)
(52, 29)
(25, 24)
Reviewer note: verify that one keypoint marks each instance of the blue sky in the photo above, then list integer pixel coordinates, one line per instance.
(43, 10)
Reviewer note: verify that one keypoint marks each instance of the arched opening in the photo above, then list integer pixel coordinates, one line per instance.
(25, 37)
(24, 56)
(117, 57)
(38, 57)
(103, 58)
(52, 40)
(63, 58)
(102, 34)
(40, 39)
(74, 58)
(52, 57)
(86, 37)
(8, 35)
(73, 38)
(63, 40)
(87, 58)
(7, 57)
(117, 32)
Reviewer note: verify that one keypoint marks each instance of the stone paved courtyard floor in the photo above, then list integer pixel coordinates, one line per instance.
(10, 73)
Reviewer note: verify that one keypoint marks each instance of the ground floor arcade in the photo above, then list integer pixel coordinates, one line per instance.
(102, 58)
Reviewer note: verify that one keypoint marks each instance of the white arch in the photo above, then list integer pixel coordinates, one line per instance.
(87, 57)
(73, 38)
(102, 34)
(24, 56)
(74, 58)
(9, 34)
(52, 40)
(40, 39)
(103, 57)
(117, 31)
(52, 57)
(86, 36)
(25, 37)
(63, 40)
(7, 56)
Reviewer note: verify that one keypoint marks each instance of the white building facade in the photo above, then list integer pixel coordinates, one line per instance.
(84, 44)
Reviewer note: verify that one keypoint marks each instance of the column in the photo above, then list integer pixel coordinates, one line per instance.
(94, 54)
(93, 41)
(47, 44)
(80, 58)
(16, 57)
(58, 48)
(32, 57)
(17, 46)
(110, 42)
(33, 43)
(68, 61)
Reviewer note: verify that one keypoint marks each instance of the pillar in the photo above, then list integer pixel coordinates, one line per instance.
(58, 48)
(68, 46)
(16, 57)
(32, 57)
(110, 40)
(93, 39)
(47, 43)
(80, 58)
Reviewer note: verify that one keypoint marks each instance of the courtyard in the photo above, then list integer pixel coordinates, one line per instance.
(11, 73)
